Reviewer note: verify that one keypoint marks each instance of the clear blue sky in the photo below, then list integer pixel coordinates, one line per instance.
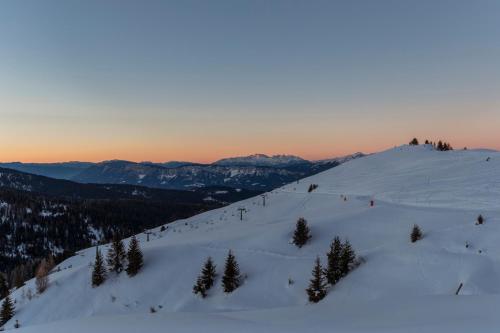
(199, 80)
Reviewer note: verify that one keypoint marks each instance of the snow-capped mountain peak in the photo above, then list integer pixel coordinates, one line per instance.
(261, 160)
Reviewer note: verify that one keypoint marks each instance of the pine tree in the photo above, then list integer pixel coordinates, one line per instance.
(301, 234)
(134, 256)
(199, 287)
(4, 286)
(231, 278)
(116, 256)
(480, 219)
(333, 272)
(206, 279)
(414, 142)
(317, 286)
(7, 311)
(416, 234)
(440, 145)
(347, 258)
(99, 272)
(42, 277)
(312, 187)
(208, 273)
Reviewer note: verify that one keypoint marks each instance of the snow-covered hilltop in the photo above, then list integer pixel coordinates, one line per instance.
(399, 286)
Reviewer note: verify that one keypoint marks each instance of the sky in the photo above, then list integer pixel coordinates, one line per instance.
(200, 80)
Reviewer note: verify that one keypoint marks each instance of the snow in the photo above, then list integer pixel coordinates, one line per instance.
(221, 192)
(399, 287)
(341, 159)
(260, 160)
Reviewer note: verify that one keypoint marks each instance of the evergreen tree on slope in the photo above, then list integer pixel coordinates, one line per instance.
(208, 273)
(199, 287)
(231, 278)
(301, 234)
(7, 311)
(116, 255)
(206, 279)
(333, 271)
(99, 271)
(134, 256)
(317, 286)
(347, 258)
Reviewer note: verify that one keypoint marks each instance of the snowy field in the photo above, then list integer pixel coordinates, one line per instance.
(399, 287)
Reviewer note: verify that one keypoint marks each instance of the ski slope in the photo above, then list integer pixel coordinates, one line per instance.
(399, 287)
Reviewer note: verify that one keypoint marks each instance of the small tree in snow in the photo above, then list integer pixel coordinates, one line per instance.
(416, 234)
(443, 146)
(7, 311)
(480, 219)
(199, 287)
(440, 145)
(208, 273)
(414, 142)
(116, 255)
(317, 286)
(42, 277)
(231, 278)
(206, 279)
(347, 258)
(312, 187)
(99, 272)
(301, 234)
(333, 272)
(134, 256)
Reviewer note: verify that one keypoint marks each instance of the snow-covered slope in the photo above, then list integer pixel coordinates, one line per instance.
(399, 287)
(341, 159)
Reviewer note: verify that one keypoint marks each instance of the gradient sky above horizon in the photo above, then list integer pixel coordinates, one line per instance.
(200, 80)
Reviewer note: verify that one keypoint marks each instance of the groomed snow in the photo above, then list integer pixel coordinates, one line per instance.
(400, 287)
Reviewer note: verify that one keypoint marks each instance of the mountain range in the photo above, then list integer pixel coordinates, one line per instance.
(17, 180)
(255, 172)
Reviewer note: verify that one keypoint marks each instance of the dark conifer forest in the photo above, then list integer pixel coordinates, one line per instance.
(42, 217)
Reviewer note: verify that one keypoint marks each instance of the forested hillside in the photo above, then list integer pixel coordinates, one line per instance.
(42, 217)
